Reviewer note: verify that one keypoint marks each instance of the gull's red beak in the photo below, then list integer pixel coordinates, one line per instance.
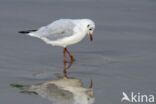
(91, 37)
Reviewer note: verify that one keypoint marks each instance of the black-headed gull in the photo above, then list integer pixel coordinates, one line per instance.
(64, 32)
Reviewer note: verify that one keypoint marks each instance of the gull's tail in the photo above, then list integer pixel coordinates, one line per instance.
(26, 31)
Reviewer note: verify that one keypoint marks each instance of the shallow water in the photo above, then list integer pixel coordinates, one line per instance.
(121, 57)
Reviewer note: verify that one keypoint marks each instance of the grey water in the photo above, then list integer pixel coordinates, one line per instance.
(121, 58)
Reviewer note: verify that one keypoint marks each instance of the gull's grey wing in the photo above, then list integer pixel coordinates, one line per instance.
(56, 30)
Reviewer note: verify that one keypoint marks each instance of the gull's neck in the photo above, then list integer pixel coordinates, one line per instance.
(81, 25)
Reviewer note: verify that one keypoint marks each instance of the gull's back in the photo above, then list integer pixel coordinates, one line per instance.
(56, 30)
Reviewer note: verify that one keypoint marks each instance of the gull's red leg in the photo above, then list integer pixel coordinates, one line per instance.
(64, 54)
(71, 57)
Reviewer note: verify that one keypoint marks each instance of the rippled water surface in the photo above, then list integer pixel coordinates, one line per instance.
(121, 57)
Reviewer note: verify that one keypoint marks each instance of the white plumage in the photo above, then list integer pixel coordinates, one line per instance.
(64, 32)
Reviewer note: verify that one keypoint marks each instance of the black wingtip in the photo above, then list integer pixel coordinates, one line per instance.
(23, 32)
(26, 32)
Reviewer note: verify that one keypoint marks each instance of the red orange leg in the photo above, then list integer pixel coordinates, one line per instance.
(64, 54)
(71, 57)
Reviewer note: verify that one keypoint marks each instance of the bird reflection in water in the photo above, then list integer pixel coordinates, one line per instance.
(64, 90)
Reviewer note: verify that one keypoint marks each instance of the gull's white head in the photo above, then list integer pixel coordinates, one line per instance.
(90, 27)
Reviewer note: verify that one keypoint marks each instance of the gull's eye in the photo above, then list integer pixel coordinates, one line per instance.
(90, 29)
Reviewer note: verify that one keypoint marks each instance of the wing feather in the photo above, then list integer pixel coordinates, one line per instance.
(56, 30)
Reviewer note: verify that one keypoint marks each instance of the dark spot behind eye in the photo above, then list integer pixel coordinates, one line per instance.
(88, 25)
